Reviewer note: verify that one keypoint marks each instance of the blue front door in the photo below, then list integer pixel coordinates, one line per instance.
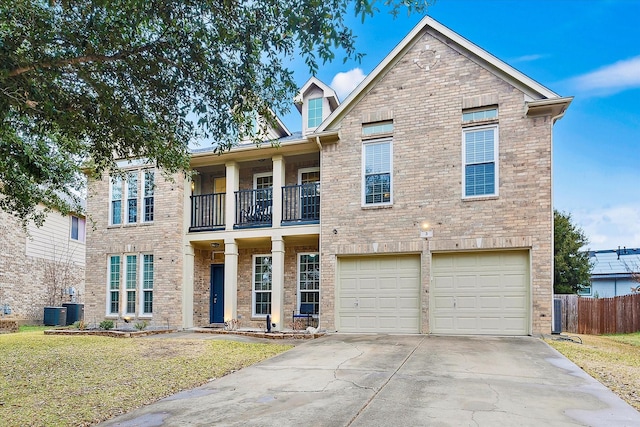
(216, 308)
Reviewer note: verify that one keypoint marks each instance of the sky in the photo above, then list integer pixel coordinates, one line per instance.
(588, 49)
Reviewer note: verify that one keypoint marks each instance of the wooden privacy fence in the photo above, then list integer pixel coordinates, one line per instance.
(618, 315)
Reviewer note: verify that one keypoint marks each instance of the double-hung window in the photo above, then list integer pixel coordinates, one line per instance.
(132, 197)
(114, 285)
(480, 148)
(262, 285)
(77, 228)
(131, 281)
(314, 113)
(149, 186)
(116, 200)
(147, 284)
(376, 173)
(309, 280)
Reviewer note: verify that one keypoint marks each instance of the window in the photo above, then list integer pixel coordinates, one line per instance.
(261, 285)
(309, 280)
(137, 295)
(315, 112)
(479, 153)
(149, 186)
(309, 180)
(147, 284)
(130, 283)
(114, 284)
(77, 228)
(135, 197)
(584, 290)
(377, 173)
(480, 115)
(116, 200)
(375, 128)
(263, 184)
(132, 197)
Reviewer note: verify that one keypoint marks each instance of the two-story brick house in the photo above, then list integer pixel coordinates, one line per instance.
(421, 204)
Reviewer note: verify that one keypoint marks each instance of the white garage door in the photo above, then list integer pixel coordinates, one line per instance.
(379, 294)
(480, 293)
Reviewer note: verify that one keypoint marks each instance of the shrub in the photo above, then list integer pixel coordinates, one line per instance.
(141, 325)
(106, 324)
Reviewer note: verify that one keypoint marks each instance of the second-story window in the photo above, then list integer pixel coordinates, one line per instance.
(376, 173)
(132, 197)
(149, 186)
(315, 113)
(116, 201)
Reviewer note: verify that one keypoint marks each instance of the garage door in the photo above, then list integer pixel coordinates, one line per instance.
(480, 293)
(379, 294)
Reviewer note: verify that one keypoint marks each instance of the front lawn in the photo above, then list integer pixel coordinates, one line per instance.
(49, 380)
(614, 360)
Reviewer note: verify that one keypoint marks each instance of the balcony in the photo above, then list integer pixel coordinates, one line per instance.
(301, 204)
(254, 208)
(207, 212)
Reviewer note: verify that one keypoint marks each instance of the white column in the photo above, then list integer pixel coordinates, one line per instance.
(233, 184)
(277, 282)
(187, 286)
(230, 279)
(278, 182)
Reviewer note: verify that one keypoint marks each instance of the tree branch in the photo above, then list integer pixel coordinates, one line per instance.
(84, 59)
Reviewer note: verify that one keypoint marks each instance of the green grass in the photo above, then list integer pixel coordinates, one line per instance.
(50, 380)
(632, 339)
(33, 328)
(614, 360)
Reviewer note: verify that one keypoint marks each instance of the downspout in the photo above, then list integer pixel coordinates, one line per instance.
(319, 144)
(553, 271)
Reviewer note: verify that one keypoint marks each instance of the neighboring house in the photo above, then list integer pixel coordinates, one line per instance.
(421, 204)
(41, 267)
(615, 272)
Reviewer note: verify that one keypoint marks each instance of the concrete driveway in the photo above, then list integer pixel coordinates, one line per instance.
(398, 380)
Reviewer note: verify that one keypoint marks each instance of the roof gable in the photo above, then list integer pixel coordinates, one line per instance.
(534, 90)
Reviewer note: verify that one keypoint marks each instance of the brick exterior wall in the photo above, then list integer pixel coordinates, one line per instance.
(426, 108)
(22, 283)
(162, 238)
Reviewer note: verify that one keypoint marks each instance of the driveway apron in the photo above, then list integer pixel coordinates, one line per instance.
(408, 380)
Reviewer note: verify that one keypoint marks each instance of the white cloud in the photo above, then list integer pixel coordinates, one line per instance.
(610, 79)
(527, 58)
(610, 227)
(344, 83)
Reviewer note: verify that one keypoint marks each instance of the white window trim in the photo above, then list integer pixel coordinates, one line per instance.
(111, 184)
(322, 108)
(299, 291)
(125, 202)
(306, 170)
(143, 179)
(82, 236)
(496, 156)
(261, 175)
(123, 286)
(363, 166)
(108, 312)
(141, 289)
(253, 286)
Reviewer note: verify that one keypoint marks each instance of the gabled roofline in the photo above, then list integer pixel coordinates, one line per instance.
(329, 93)
(532, 88)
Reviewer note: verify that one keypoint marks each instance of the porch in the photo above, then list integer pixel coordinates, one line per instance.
(254, 208)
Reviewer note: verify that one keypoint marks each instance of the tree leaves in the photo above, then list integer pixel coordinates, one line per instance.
(572, 268)
(92, 80)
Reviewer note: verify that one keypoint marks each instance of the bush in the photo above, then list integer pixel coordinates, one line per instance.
(141, 325)
(106, 324)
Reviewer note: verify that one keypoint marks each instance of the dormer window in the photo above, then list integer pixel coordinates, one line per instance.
(315, 112)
